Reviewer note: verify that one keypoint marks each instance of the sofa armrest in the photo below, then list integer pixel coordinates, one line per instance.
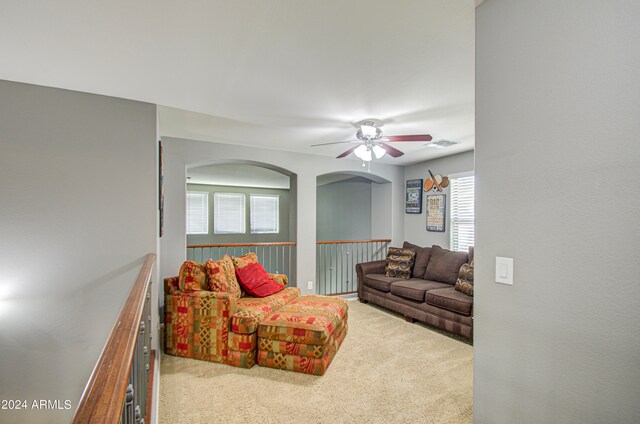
(197, 324)
(171, 286)
(280, 279)
(362, 269)
(375, 267)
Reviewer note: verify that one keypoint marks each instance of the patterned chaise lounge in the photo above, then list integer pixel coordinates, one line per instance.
(217, 326)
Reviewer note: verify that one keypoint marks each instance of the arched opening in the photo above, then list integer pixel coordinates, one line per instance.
(235, 207)
(353, 212)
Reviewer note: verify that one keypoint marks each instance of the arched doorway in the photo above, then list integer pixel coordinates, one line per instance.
(353, 226)
(235, 207)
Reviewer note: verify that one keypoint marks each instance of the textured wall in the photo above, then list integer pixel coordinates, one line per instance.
(77, 216)
(557, 159)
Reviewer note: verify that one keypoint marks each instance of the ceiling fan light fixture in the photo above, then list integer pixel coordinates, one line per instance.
(378, 151)
(368, 131)
(363, 153)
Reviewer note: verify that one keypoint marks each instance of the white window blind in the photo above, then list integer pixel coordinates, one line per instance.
(197, 212)
(462, 213)
(228, 213)
(265, 213)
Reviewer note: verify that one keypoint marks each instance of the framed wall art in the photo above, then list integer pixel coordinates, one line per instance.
(436, 212)
(413, 199)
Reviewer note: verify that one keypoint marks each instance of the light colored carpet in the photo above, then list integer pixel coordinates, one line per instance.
(387, 371)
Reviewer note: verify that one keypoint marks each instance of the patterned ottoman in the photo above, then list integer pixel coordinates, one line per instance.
(304, 335)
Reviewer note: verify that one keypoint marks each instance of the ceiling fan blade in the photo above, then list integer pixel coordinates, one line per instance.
(347, 153)
(416, 137)
(335, 142)
(391, 150)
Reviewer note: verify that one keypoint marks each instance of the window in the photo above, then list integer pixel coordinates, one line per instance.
(265, 214)
(229, 215)
(197, 212)
(462, 213)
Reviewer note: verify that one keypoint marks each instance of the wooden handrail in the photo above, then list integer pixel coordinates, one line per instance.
(104, 396)
(353, 241)
(280, 243)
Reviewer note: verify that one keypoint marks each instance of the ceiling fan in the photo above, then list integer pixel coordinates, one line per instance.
(371, 142)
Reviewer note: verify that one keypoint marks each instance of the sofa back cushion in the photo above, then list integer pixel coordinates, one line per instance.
(423, 254)
(192, 277)
(255, 280)
(444, 265)
(222, 276)
(399, 262)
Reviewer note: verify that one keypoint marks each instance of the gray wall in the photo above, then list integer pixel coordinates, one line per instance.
(344, 210)
(557, 162)
(180, 153)
(415, 225)
(77, 215)
(283, 235)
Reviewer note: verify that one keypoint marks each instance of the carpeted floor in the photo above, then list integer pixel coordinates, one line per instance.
(387, 371)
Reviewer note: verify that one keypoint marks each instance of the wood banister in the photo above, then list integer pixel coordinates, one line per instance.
(353, 241)
(280, 243)
(104, 396)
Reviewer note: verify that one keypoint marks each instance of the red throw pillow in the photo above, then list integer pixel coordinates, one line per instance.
(255, 280)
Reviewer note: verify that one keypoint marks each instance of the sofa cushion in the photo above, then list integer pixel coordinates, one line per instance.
(251, 310)
(399, 262)
(415, 288)
(444, 265)
(309, 319)
(222, 276)
(379, 281)
(450, 299)
(255, 280)
(192, 277)
(464, 283)
(423, 254)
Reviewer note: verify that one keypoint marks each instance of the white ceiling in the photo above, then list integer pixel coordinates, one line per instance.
(282, 74)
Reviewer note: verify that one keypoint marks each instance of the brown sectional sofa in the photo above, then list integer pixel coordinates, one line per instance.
(429, 295)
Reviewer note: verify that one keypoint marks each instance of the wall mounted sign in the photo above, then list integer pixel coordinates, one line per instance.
(413, 203)
(435, 182)
(436, 207)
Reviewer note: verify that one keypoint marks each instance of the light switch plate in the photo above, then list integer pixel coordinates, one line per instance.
(504, 270)
(309, 285)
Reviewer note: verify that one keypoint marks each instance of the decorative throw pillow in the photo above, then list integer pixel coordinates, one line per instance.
(222, 276)
(255, 280)
(465, 279)
(192, 277)
(399, 262)
(444, 265)
(244, 260)
(423, 254)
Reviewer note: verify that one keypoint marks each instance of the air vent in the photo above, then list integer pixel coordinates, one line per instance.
(441, 144)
